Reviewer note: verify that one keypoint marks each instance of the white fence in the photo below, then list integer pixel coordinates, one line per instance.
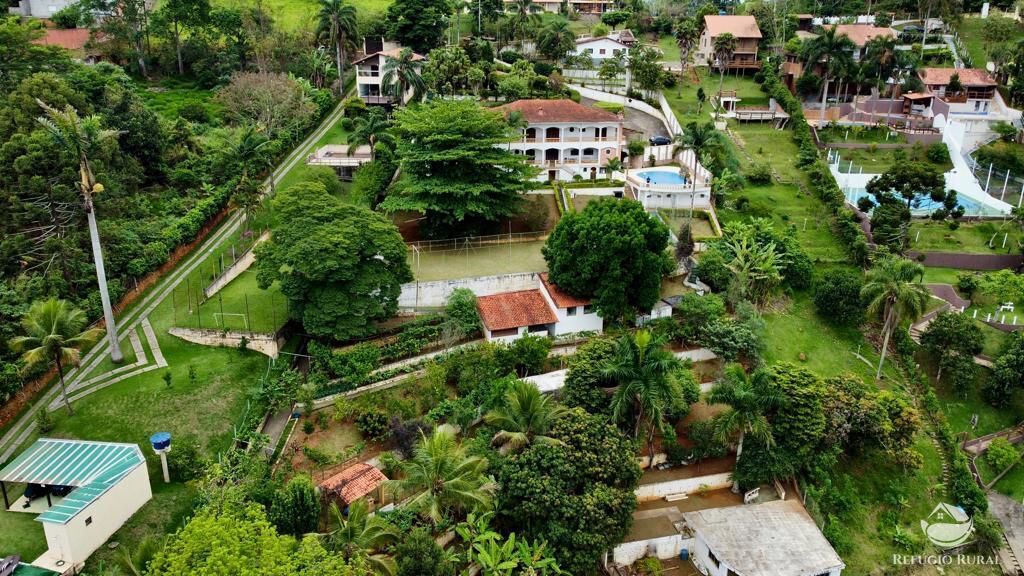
(435, 293)
(665, 547)
(684, 486)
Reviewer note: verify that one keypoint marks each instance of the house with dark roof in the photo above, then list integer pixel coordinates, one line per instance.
(746, 32)
(567, 138)
(82, 492)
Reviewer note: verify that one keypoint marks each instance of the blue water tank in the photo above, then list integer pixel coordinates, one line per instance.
(160, 440)
(684, 554)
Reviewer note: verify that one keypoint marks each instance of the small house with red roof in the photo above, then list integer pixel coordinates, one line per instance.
(543, 311)
(355, 483)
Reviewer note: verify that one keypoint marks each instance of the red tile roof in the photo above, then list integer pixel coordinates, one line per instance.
(738, 26)
(354, 482)
(861, 34)
(73, 39)
(514, 310)
(559, 297)
(557, 111)
(968, 76)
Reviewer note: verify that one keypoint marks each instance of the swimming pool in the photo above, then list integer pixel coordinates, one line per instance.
(660, 177)
(926, 205)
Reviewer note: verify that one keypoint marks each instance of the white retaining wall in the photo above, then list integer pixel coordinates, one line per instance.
(618, 99)
(435, 293)
(262, 343)
(710, 482)
(664, 548)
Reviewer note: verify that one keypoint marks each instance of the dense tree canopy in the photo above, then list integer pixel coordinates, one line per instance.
(340, 266)
(452, 170)
(577, 495)
(613, 252)
(418, 24)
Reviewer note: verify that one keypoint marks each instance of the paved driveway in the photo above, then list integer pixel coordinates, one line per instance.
(637, 121)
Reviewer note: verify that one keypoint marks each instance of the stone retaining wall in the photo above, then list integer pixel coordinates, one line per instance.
(267, 344)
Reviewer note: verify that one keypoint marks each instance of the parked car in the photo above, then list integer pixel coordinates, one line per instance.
(659, 140)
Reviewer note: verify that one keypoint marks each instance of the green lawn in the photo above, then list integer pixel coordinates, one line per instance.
(485, 261)
(169, 95)
(675, 219)
(828, 351)
(241, 305)
(683, 99)
(973, 39)
(301, 14)
(972, 237)
(786, 206)
(877, 161)
(19, 532)
(669, 49)
(860, 134)
(1013, 483)
(936, 275)
(765, 144)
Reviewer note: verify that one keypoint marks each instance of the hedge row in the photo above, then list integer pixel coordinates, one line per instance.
(845, 221)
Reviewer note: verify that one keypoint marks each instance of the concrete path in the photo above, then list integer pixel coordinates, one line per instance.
(22, 429)
(275, 426)
(1010, 514)
(154, 346)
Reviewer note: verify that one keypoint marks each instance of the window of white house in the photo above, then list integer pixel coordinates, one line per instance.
(571, 311)
(602, 51)
(589, 51)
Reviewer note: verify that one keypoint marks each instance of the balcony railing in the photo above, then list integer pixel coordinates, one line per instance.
(368, 73)
(377, 99)
(571, 139)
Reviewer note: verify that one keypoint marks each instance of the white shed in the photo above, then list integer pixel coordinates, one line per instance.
(83, 492)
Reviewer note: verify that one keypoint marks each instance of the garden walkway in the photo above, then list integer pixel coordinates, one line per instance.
(1010, 514)
(137, 316)
(946, 293)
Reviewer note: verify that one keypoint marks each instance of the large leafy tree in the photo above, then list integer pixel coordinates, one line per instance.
(53, 332)
(295, 508)
(892, 290)
(613, 252)
(178, 16)
(954, 339)
(442, 480)
(749, 398)
(525, 418)
(418, 24)
(340, 266)
(911, 182)
(336, 23)
(82, 138)
(576, 495)
(447, 69)
(1008, 372)
(643, 371)
(452, 170)
(20, 56)
(360, 534)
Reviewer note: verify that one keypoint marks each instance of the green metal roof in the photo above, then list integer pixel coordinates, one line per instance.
(92, 467)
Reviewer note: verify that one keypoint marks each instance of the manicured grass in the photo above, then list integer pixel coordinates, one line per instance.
(669, 49)
(828, 351)
(229, 309)
(301, 14)
(19, 532)
(936, 275)
(786, 206)
(1013, 483)
(683, 99)
(765, 144)
(860, 134)
(994, 339)
(972, 237)
(484, 261)
(973, 40)
(878, 161)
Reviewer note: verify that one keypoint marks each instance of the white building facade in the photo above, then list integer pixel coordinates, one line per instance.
(600, 48)
(370, 86)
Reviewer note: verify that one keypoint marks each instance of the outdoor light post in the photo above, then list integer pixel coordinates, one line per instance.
(161, 442)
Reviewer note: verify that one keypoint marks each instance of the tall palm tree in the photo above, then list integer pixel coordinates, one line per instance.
(336, 23)
(402, 74)
(556, 39)
(724, 47)
(443, 478)
(701, 139)
(749, 398)
(362, 535)
(54, 331)
(370, 128)
(643, 370)
(823, 48)
(881, 54)
(523, 14)
(249, 151)
(893, 290)
(686, 35)
(526, 418)
(83, 138)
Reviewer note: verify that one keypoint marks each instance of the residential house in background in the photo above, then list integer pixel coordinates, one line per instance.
(978, 93)
(580, 6)
(860, 35)
(743, 28)
(567, 138)
(600, 48)
(370, 72)
(37, 8)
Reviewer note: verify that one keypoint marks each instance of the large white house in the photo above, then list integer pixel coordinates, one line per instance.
(566, 138)
(82, 491)
(600, 48)
(580, 6)
(370, 73)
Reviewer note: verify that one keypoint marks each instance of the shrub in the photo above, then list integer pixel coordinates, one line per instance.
(967, 282)
(295, 509)
(195, 112)
(696, 313)
(308, 426)
(407, 434)
(938, 153)
(760, 173)
(68, 17)
(462, 313)
(44, 420)
(837, 296)
(1001, 454)
(510, 56)
(373, 424)
(418, 555)
(525, 356)
(186, 462)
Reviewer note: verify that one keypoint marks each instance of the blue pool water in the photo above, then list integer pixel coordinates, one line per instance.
(660, 177)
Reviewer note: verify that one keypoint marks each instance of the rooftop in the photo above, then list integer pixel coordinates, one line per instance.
(514, 310)
(597, 38)
(561, 298)
(738, 26)
(564, 110)
(968, 76)
(861, 34)
(354, 482)
(91, 467)
(771, 539)
(392, 53)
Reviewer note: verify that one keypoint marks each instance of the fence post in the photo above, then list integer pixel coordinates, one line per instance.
(220, 300)
(989, 178)
(1005, 182)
